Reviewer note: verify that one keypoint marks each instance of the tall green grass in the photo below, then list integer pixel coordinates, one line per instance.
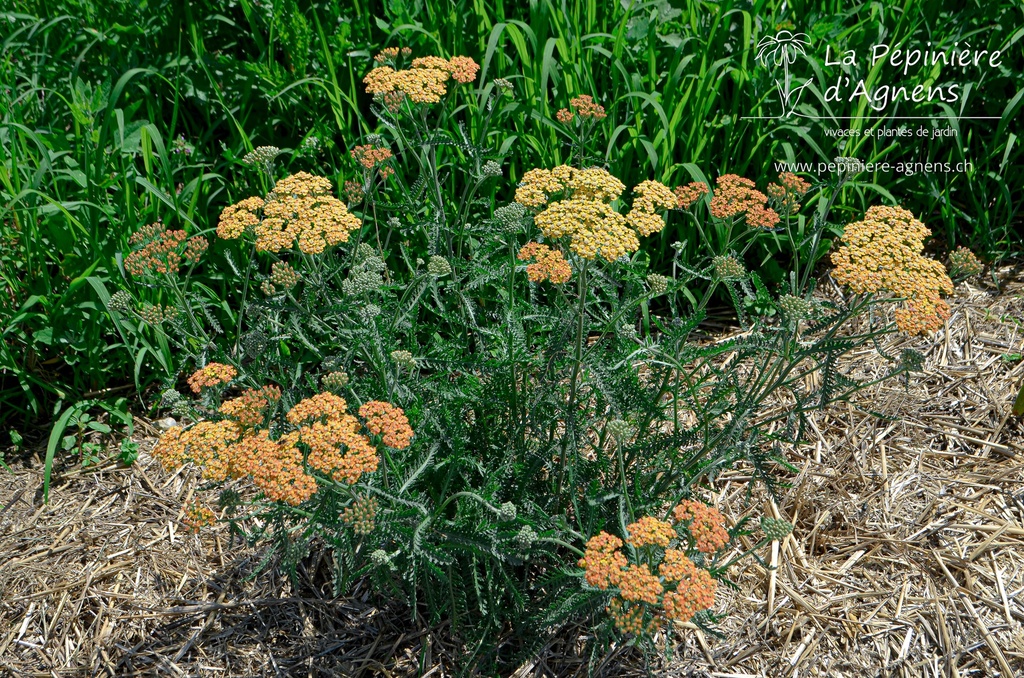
(95, 97)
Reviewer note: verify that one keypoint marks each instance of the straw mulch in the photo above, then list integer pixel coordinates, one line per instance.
(907, 558)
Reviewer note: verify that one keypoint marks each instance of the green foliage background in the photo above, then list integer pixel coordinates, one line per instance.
(93, 96)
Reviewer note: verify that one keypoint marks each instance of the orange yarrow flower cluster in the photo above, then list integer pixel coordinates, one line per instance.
(689, 194)
(650, 530)
(576, 203)
(549, 264)
(327, 438)
(705, 524)
(695, 591)
(735, 196)
(636, 583)
(424, 83)
(787, 193)
(602, 561)
(651, 198)
(249, 409)
(679, 590)
(214, 374)
(583, 106)
(372, 157)
(239, 218)
(388, 421)
(318, 407)
(222, 450)
(336, 446)
(161, 251)
(300, 210)
(882, 252)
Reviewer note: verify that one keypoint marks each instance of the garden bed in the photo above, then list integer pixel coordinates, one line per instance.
(907, 558)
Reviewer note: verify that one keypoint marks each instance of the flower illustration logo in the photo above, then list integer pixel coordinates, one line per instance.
(782, 49)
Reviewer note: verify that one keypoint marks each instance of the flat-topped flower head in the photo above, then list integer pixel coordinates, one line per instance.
(882, 252)
(237, 219)
(249, 409)
(649, 530)
(157, 250)
(424, 82)
(197, 517)
(636, 583)
(693, 593)
(706, 524)
(603, 561)
(577, 204)
(548, 264)
(337, 448)
(214, 374)
(689, 194)
(786, 194)
(275, 467)
(678, 591)
(319, 406)
(736, 196)
(650, 199)
(463, 69)
(300, 211)
(372, 157)
(386, 420)
(586, 107)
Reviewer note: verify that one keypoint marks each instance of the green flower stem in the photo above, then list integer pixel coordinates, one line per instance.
(559, 542)
(622, 480)
(574, 381)
(245, 294)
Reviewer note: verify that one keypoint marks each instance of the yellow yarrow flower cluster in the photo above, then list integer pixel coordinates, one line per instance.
(300, 210)
(577, 204)
(425, 82)
(882, 252)
(652, 197)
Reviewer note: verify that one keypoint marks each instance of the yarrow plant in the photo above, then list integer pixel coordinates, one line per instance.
(494, 410)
